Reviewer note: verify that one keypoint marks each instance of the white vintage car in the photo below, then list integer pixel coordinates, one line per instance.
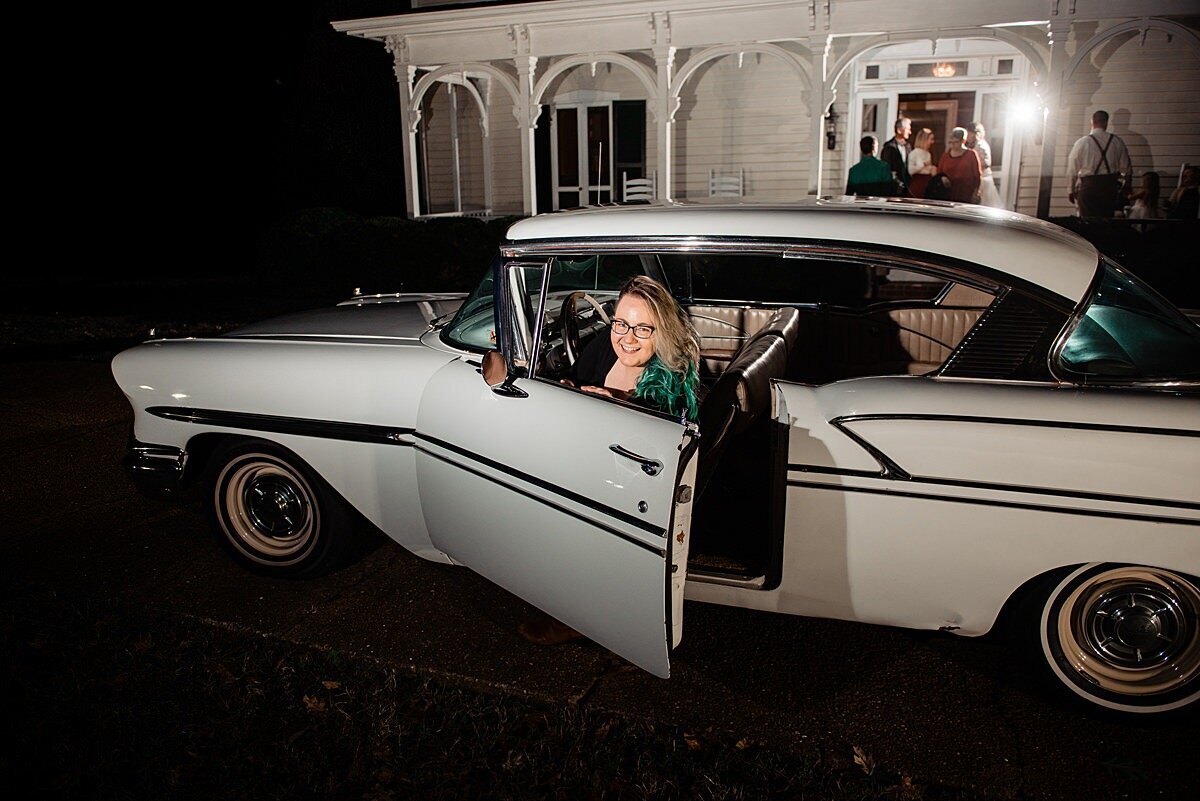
(917, 414)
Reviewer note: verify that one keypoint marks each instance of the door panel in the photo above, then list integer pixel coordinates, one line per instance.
(528, 492)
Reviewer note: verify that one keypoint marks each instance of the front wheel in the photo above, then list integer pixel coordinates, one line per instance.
(1123, 637)
(273, 514)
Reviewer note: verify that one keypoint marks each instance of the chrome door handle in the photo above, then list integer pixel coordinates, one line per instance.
(651, 467)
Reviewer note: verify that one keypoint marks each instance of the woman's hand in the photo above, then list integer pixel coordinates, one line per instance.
(599, 391)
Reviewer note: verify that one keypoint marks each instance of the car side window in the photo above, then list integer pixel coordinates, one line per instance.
(600, 276)
(1128, 333)
(774, 279)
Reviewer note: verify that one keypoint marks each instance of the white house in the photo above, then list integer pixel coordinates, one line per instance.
(518, 108)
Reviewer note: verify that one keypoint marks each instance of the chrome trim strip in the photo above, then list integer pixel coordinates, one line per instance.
(889, 468)
(659, 551)
(963, 418)
(701, 576)
(988, 485)
(324, 429)
(356, 338)
(989, 502)
(575, 497)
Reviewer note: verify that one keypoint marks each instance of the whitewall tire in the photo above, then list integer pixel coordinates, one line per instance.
(1124, 637)
(273, 514)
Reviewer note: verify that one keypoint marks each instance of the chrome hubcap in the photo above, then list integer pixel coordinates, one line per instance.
(1132, 630)
(1135, 626)
(269, 512)
(274, 507)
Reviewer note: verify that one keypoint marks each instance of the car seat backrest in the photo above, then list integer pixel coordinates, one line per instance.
(741, 395)
(785, 323)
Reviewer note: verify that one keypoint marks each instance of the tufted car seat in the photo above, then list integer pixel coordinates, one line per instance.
(741, 395)
(725, 330)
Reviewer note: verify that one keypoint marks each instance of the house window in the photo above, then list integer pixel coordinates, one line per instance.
(938, 69)
(872, 72)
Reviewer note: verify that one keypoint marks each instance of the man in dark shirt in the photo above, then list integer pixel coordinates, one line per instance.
(870, 176)
(895, 154)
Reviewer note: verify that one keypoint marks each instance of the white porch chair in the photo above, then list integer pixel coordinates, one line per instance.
(638, 188)
(726, 184)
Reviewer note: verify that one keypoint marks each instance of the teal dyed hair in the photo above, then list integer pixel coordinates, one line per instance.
(668, 391)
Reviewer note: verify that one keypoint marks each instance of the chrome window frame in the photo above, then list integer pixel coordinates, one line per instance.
(970, 274)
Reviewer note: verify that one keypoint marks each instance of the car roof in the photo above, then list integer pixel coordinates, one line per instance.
(1033, 250)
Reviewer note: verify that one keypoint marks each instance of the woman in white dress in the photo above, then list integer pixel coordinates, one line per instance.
(1145, 201)
(920, 163)
(988, 194)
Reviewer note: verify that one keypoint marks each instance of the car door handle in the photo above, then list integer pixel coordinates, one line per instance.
(651, 467)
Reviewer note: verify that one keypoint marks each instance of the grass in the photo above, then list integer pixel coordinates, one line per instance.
(106, 700)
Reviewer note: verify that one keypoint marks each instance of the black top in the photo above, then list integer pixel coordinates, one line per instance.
(895, 153)
(593, 364)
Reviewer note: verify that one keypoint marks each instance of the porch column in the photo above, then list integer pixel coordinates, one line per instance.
(406, 76)
(664, 117)
(820, 97)
(485, 123)
(1059, 31)
(526, 113)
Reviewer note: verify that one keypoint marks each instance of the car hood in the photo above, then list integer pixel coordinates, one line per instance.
(392, 316)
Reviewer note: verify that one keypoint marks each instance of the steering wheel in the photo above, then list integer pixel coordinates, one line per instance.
(569, 322)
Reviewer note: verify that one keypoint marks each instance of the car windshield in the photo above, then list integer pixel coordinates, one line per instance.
(601, 275)
(1128, 333)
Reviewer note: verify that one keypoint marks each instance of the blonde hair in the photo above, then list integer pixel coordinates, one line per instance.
(676, 342)
(923, 139)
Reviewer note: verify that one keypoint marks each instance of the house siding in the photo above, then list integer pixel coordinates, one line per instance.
(752, 117)
(1151, 91)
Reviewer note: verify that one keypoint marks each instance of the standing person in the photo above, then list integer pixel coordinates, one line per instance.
(977, 141)
(1185, 200)
(1097, 168)
(895, 154)
(962, 166)
(920, 163)
(870, 176)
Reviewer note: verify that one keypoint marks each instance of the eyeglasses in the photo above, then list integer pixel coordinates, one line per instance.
(621, 328)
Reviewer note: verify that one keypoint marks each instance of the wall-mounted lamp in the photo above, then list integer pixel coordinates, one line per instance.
(831, 129)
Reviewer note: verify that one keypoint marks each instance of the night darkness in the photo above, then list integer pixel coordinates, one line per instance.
(201, 130)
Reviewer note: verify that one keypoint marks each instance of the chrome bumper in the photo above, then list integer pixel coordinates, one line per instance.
(155, 470)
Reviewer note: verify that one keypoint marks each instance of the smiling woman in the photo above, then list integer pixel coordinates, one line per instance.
(652, 355)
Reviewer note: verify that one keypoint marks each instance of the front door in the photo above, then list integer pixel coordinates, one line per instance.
(582, 155)
(563, 498)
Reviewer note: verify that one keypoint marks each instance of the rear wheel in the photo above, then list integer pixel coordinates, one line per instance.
(273, 514)
(1124, 637)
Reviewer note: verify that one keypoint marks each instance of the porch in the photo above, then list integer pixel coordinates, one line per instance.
(524, 108)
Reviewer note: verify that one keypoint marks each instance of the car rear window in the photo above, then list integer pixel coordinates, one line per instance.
(1128, 333)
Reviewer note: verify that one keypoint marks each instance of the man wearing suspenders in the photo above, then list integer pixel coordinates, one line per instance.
(1098, 168)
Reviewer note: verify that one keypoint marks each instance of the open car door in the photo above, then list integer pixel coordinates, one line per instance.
(577, 504)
